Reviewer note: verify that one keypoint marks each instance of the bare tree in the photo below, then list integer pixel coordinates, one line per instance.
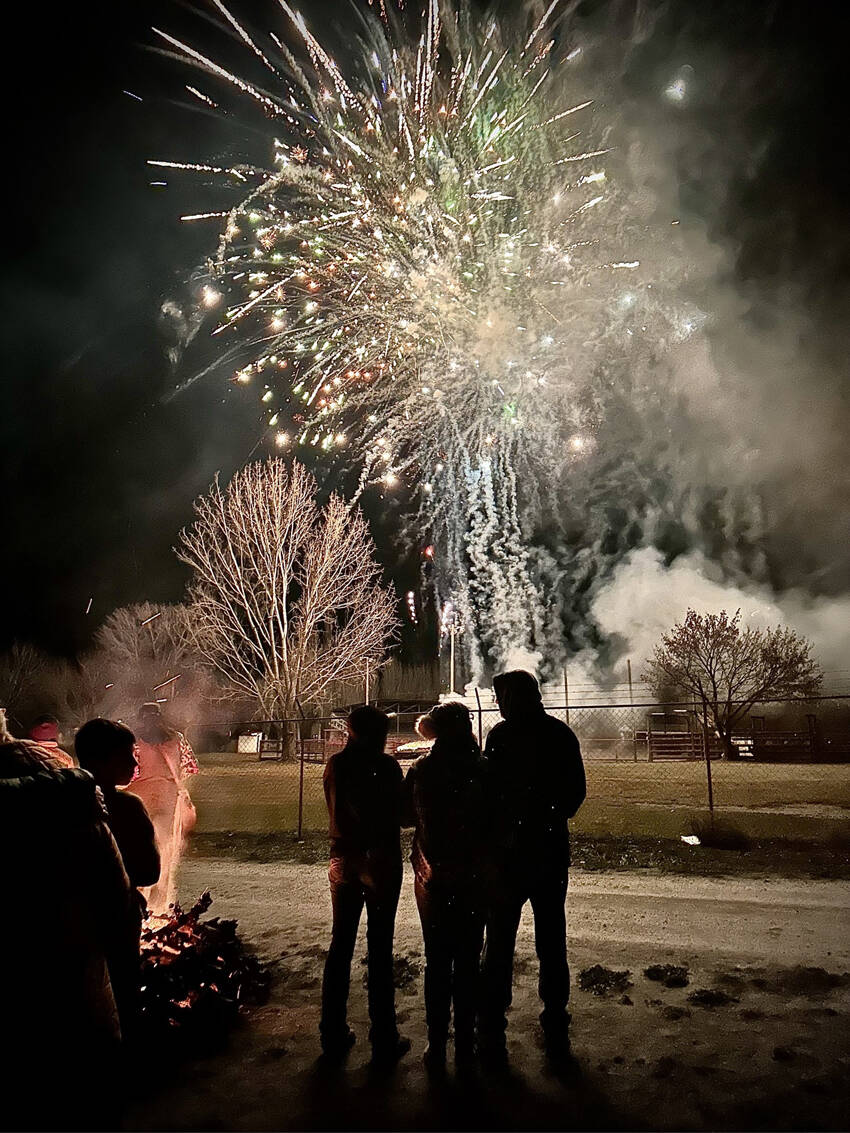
(23, 687)
(286, 596)
(728, 669)
(148, 652)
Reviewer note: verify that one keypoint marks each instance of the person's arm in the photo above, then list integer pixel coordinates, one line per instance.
(576, 781)
(141, 856)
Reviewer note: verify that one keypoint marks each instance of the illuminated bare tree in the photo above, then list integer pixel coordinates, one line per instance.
(728, 669)
(286, 596)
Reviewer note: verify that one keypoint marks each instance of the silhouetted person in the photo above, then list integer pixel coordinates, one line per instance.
(536, 783)
(45, 732)
(363, 793)
(105, 749)
(66, 904)
(445, 802)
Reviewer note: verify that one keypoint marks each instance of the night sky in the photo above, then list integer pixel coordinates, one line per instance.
(99, 471)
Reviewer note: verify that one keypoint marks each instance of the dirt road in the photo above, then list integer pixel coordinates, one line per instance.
(758, 1037)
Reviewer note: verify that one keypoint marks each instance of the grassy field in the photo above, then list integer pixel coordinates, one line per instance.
(244, 795)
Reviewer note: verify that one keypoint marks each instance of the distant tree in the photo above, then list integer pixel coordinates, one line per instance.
(285, 597)
(23, 684)
(728, 669)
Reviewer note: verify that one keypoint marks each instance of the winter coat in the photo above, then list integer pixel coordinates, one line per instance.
(363, 794)
(536, 783)
(67, 915)
(133, 831)
(445, 802)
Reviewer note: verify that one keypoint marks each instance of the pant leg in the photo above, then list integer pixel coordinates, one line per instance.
(548, 898)
(503, 915)
(381, 896)
(435, 917)
(467, 923)
(347, 898)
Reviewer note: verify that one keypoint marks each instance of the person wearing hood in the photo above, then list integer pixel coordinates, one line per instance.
(363, 794)
(445, 803)
(67, 911)
(536, 783)
(45, 732)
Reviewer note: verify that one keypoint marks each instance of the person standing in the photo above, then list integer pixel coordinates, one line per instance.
(445, 802)
(105, 749)
(536, 783)
(363, 794)
(165, 760)
(67, 904)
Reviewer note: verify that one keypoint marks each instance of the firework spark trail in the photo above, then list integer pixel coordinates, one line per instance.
(430, 278)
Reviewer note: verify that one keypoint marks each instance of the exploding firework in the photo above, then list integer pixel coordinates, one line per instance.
(439, 279)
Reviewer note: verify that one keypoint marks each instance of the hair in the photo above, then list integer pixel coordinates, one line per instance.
(369, 724)
(45, 718)
(97, 740)
(424, 726)
(452, 723)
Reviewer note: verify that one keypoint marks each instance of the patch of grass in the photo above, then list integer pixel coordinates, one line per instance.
(776, 857)
(720, 834)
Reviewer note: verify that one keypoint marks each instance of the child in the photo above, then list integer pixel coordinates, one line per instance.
(105, 749)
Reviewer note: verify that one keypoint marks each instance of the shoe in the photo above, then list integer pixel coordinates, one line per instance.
(435, 1057)
(494, 1057)
(466, 1059)
(387, 1051)
(338, 1046)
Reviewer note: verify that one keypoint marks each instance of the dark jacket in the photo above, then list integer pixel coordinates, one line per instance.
(67, 914)
(444, 800)
(363, 793)
(133, 831)
(536, 784)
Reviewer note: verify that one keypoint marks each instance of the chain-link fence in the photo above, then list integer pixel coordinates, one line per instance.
(652, 769)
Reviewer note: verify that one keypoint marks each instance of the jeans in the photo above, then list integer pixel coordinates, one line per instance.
(353, 885)
(453, 932)
(547, 896)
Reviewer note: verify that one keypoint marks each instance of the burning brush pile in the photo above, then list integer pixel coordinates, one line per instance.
(196, 975)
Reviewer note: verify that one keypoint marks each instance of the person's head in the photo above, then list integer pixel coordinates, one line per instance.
(517, 694)
(45, 729)
(452, 724)
(369, 726)
(105, 748)
(151, 727)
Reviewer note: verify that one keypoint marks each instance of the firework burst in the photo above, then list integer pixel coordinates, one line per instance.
(433, 276)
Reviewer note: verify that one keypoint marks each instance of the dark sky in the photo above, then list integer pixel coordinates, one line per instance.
(98, 472)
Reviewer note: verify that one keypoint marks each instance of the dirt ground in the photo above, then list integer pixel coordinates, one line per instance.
(757, 1038)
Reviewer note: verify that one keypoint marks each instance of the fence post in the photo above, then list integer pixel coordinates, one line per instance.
(707, 751)
(299, 837)
(480, 732)
(814, 738)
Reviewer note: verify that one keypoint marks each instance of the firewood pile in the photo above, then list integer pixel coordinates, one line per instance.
(196, 976)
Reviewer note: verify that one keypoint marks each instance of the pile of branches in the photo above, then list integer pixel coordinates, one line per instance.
(196, 975)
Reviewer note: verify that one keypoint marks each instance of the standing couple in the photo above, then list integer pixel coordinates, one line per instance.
(490, 833)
